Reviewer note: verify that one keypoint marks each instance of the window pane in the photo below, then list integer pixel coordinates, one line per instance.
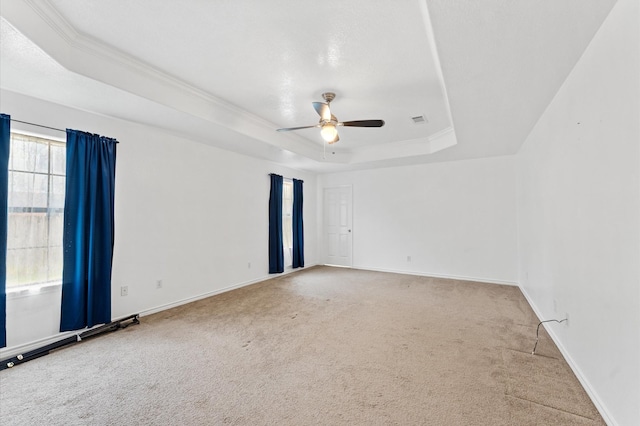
(56, 226)
(27, 190)
(27, 230)
(56, 200)
(58, 159)
(55, 264)
(26, 266)
(29, 154)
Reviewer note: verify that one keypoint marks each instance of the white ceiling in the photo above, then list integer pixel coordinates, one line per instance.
(228, 73)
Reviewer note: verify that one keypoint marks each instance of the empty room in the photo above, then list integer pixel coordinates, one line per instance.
(416, 212)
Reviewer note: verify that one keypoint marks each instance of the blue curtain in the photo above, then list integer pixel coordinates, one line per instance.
(298, 227)
(88, 230)
(5, 126)
(276, 253)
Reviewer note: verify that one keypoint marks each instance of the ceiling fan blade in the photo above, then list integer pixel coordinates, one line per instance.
(337, 138)
(362, 123)
(288, 129)
(323, 110)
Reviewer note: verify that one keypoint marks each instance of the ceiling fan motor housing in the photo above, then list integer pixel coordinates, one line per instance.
(328, 96)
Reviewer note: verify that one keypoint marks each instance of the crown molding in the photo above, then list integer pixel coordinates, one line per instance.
(40, 21)
(408, 148)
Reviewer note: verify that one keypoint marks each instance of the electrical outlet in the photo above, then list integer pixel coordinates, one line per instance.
(408, 258)
(159, 284)
(124, 290)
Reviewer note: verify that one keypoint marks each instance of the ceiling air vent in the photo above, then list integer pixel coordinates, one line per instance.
(419, 119)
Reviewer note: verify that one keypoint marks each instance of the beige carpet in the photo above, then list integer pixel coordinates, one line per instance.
(325, 346)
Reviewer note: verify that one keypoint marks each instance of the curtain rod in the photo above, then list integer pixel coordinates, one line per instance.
(284, 177)
(40, 125)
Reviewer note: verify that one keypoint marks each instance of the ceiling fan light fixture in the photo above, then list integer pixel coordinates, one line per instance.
(328, 122)
(329, 132)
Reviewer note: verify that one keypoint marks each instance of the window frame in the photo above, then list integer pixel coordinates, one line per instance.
(287, 257)
(37, 287)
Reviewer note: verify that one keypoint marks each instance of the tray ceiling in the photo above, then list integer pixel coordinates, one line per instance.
(229, 73)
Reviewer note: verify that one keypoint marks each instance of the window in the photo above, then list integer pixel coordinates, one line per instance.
(36, 208)
(287, 221)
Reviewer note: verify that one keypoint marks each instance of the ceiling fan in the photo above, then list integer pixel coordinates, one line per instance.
(329, 124)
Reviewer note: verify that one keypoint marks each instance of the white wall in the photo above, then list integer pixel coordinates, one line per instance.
(455, 219)
(181, 216)
(579, 216)
(188, 214)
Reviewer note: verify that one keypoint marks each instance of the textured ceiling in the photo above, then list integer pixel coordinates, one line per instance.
(240, 69)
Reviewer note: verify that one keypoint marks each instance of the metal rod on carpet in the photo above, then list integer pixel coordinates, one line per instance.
(112, 326)
(45, 350)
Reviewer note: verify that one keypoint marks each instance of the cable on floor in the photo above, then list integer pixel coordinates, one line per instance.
(533, 352)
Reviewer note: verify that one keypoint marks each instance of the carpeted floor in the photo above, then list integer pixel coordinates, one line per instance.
(323, 346)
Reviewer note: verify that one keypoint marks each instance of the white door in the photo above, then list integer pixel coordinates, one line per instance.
(337, 226)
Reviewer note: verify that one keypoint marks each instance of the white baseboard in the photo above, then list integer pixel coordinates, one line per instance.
(434, 275)
(593, 395)
(166, 306)
(10, 352)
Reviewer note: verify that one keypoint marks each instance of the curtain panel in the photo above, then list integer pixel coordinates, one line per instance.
(88, 230)
(298, 227)
(276, 253)
(5, 138)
